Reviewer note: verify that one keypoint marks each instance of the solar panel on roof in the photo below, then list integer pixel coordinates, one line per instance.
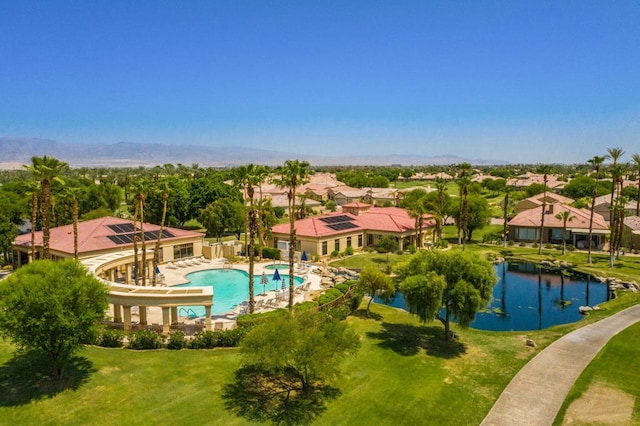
(122, 228)
(336, 219)
(342, 226)
(120, 239)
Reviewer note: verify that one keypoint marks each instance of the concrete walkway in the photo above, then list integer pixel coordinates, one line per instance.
(534, 396)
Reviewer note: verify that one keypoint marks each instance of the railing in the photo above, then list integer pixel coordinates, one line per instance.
(190, 313)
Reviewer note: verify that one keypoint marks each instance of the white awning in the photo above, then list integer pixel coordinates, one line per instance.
(586, 231)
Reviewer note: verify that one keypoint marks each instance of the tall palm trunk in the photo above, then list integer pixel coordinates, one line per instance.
(156, 251)
(46, 217)
(74, 218)
(34, 218)
(135, 241)
(143, 268)
(544, 207)
(593, 206)
(250, 246)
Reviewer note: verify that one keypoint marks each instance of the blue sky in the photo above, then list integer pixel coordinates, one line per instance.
(524, 81)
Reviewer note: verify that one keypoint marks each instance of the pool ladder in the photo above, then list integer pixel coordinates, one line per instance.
(188, 312)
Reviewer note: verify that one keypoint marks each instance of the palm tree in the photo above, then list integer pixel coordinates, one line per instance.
(293, 173)
(72, 194)
(440, 184)
(636, 163)
(34, 190)
(565, 216)
(545, 178)
(261, 173)
(464, 180)
(615, 154)
(46, 170)
(249, 177)
(596, 162)
(506, 206)
(156, 249)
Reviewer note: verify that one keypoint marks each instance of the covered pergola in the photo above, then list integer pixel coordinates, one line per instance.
(122, 297)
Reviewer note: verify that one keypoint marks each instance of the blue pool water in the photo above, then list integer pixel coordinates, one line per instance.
(230, 288)
(529, 298)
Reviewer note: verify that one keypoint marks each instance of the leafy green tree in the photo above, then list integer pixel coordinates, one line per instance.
(446, 286)
(374, 282)
(53, 307)
(636, 164)
(387, 244)
(301, 352)
(331, 205)
(536, 188)
(8, 233)
(478, 214)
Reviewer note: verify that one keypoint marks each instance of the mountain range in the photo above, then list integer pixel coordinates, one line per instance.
(17, 151)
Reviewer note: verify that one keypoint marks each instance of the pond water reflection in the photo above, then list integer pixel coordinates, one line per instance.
(528, 297)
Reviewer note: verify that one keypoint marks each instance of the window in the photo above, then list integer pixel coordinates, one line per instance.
(183, 250)
(324, 248)
(369, 240)
(527, 234)
(348, 241)
(360, 240)
(336, 245)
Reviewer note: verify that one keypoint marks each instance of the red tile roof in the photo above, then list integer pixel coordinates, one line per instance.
(532, 217)
(93, 235)
(381, 219)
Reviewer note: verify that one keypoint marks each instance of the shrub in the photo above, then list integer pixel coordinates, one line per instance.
(348, 251)
(204, 340)
(534, 245)
(334, 254)
(231, 338)
(249, 321)
(177, 341)
(270, 253)
(441, 243)
(338, 312)
(342, 287)
(512, 243)
(522, 244)
(329, 296)
(305, 306)
(571, 247)
(548, 246)
(111, 339)
(412, 248)
(145, 339)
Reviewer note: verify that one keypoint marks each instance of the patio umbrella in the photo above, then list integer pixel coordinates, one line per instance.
(304, 256)
(157, 269)
(264, 280)
(276, 277)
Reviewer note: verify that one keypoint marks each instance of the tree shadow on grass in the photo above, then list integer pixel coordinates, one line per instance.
(408, 340)
(362, 314)
(29, 376)
(261, 396)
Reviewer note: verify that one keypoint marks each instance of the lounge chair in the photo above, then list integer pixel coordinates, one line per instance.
(194, 260)
(204, 259)
(170, 265)
(181, 263)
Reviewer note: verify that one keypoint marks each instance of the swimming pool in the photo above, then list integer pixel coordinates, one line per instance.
(279, 266)
(230, 288)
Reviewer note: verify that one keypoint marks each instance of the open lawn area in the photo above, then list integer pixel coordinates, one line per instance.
(404, 373)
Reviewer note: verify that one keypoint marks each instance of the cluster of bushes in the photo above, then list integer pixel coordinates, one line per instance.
(270, 253)
(493, 238)
(149, 339)
(441, 243)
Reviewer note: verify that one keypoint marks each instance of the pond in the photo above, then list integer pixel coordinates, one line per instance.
(528, 297)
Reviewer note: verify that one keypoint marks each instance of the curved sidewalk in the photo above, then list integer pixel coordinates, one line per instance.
(536, 393)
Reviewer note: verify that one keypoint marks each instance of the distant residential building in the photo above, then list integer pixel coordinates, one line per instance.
(631, 232)
(358, 225)
(603, 206)
(525, 226)
(537, 200)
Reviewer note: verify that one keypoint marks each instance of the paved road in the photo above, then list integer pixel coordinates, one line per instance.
(536, 393)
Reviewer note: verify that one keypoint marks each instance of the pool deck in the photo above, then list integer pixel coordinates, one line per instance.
(178, 276)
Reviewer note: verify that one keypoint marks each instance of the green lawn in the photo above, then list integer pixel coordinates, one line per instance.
(614, 367)
(403, 373)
